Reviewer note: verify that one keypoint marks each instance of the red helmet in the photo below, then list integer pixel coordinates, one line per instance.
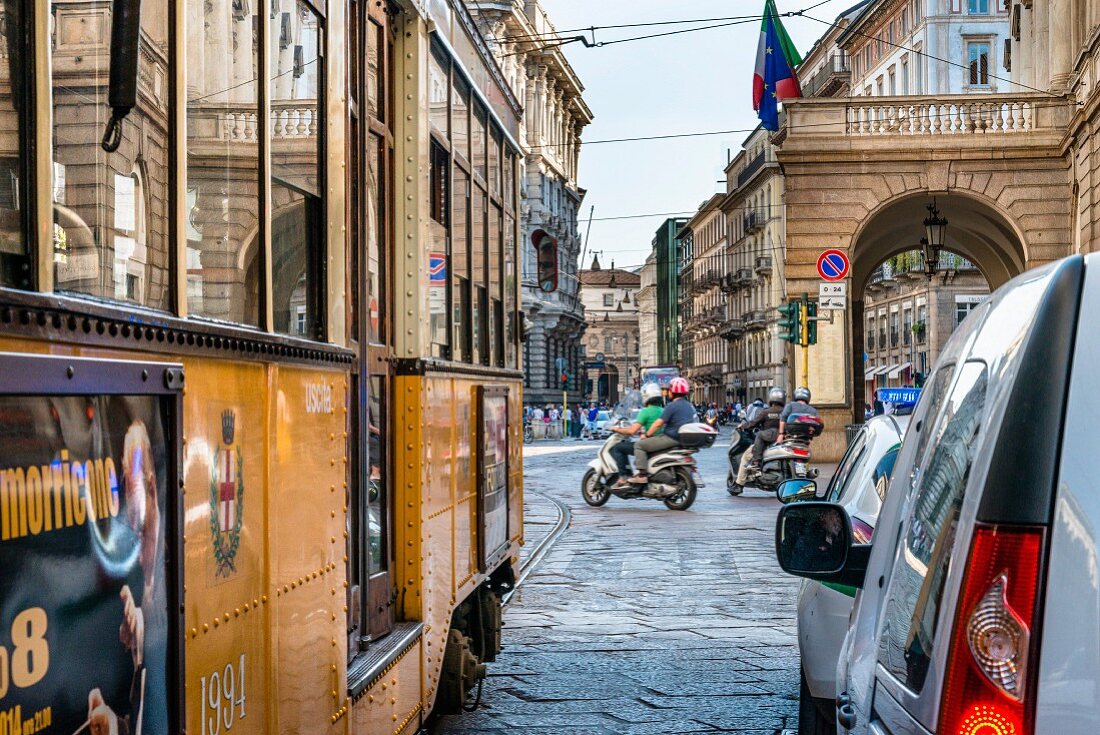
(679, 387)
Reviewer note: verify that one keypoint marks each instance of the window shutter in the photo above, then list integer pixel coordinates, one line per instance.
(1008, 54)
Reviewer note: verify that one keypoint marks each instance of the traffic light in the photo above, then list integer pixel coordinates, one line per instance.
(564, 381)
(811, 324)
(790, 321)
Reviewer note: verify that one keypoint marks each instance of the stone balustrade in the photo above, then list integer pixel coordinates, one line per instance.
(953, 120)
(289, 120)
(940, 117)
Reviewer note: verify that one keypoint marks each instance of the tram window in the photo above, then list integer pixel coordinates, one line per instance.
(223, 200)
(460, 119)
(460, 266)
(110, 209)
(439, 253)
(15, 269)
(295, 134)
(374, 211)
(477, 141)
(438, 86)
(510, 180)
(378, 481)
(494, 163)
(510, 316)
(496, 304)
(480, 317)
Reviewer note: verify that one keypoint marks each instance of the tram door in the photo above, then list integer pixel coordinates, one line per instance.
(370, 164)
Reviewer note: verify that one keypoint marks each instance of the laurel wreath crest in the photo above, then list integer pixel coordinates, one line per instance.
(225, 549)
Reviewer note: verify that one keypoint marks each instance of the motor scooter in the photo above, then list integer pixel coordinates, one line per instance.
(786, 460)
(673, 475)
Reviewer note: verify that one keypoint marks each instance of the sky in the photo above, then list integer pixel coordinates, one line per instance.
(699, 81)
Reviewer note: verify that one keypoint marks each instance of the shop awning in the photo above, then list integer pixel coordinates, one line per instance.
(885, 369)
(896, 372)
(870, 373)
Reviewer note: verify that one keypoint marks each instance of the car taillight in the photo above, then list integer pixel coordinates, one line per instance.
(988, 689)
(861, 532)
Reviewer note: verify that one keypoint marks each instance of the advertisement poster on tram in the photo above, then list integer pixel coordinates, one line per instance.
(494, 472)
(84, 618)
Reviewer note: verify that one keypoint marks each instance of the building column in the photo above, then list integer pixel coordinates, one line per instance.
(1060, 44)
(1040, 30)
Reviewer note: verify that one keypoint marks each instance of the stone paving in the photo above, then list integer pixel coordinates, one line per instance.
(643, 620)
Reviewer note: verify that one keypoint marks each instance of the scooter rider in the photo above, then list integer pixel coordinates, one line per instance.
(800, 406)
(654, 407)
(767, 422)
(676, 414)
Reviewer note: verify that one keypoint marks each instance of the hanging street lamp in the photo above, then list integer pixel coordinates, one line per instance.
(935, 229)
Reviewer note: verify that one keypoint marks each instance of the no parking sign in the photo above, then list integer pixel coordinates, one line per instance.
(833, 265)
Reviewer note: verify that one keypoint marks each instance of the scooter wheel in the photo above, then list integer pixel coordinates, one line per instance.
(594, 492)
(734, 489)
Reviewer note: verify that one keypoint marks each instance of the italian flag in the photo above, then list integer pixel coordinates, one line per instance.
(776, 58)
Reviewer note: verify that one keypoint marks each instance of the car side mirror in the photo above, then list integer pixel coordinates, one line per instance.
(814, 540)
(796, 491)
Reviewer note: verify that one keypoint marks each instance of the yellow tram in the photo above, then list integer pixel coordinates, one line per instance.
(260, 378)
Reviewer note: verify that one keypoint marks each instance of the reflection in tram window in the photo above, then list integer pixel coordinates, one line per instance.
(110, 209)
(14, 262)
(480, 318)
(438, 287)
(374, 211)
(223, 198)
(476, 170)
(376, 493)
(496, 305)
(296, 217)
(460, 281)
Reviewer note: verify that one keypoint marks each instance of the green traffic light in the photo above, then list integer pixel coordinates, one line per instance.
(788, 323)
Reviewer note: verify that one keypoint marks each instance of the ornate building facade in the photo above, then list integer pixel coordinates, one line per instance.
(522, 36)
(610, 297)
(753, 281)
(703, 247)
(647, 312)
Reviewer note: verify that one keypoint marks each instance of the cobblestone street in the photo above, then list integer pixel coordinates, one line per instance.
(643, 620)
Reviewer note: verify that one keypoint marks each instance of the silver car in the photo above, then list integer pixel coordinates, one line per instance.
(979, 609)
(860, 485)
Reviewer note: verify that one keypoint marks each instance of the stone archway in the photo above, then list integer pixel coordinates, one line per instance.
(978, 230)
(1007, 196)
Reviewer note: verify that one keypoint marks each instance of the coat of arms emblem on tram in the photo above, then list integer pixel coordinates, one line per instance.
(227, 496)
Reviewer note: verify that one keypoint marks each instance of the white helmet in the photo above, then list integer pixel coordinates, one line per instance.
(651, 391)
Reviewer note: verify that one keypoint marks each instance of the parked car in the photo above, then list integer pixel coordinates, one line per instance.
(859, 484)
(604, 422)
(979, 609)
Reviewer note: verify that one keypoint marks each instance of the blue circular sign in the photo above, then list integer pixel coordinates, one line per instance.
(833, 265)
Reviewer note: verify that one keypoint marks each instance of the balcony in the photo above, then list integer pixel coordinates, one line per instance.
(753, 220)
(751, 168)
(732, 328)
(728, 283)
(756, 319)
(830, 78)
(743, 277)
(764, 265)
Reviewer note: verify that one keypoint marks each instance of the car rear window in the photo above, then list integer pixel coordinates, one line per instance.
(924, 553)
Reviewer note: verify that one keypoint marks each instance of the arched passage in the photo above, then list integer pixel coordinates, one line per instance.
(977, 230)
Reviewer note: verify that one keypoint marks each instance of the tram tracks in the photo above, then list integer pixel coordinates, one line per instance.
(565, 517)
